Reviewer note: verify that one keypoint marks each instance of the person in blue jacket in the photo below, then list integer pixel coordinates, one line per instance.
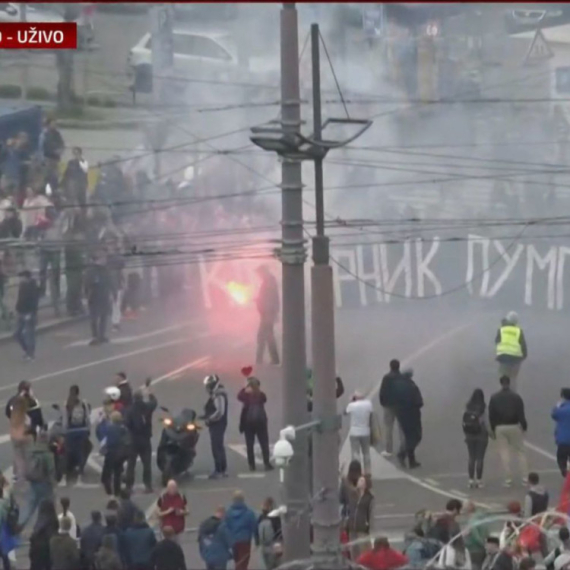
(561, 415)
(214, 541)
(241, 523)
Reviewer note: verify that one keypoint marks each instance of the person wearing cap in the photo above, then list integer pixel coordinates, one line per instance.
(216, 418)
(511, 348)
(27, 311)
(268, 305)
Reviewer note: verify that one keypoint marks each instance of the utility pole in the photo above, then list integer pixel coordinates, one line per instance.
(326, 512)
(296, 526)
(25, 66)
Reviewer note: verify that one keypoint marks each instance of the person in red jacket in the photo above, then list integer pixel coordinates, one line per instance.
(382, 557)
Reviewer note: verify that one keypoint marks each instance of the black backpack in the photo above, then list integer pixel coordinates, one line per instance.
(472, 423)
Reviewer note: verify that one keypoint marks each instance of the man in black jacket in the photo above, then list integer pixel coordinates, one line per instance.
(98, 293)
(139, 423)
(91, 539)
(508, 424)
(388, 402)
(125, 388)
(167, 554)
(408, 406)
(27, 310)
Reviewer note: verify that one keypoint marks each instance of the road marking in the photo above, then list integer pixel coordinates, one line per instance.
(460, 493)
(241, 449)
(432, 482)
(129, 339)
(251, 475)
(540, 451)
(100, 361)
(390, 471)
(463, 475)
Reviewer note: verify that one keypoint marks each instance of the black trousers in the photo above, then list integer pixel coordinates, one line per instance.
(250, 433)
(563, 457)
(217, 432)
(142, 449)
(98, 316)
(111, 475)
(476, 448)
(266, 338)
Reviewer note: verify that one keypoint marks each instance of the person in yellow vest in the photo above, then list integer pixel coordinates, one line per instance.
(511, 348)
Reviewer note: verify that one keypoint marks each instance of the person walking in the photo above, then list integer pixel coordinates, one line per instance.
(348, 494)
(214, 541)
(138, 419)
(91, 540)
(508, 424)
(241, 523)
(270, 534)
(117, 446)
(360, 518)
(27, 311)
(561, 416)
(360, 411)
(172, 508)
(40, 472)
(268, 307)
(476, 431)
(216, 418)
(127, 510)
(139, 542)
(107, 557)
(511, 348)
(253, 422)
(98, 294)
(77, 441)
(45, 528)
(387, 397)
(167, 554)
(63, 548)
(408, 407)
(20, 435)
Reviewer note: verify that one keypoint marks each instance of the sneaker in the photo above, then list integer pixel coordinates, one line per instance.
(225, 475)
(93, 342)
(508, 483)
(401, 460)
(214, 475)
(480, 485)
(269, 467)
(386, 454)
(415, 465)
(472, 484)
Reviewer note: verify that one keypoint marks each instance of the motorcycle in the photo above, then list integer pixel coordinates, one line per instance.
(177, 447)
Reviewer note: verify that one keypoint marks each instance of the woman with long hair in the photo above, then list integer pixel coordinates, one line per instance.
(360, 518)
(476, 431)
(46, 526)
(19, 435)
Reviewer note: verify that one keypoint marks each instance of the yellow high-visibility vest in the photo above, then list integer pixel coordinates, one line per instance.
(510, 341)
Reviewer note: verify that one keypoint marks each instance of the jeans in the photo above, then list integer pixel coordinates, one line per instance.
(111, 475)
(358, 445)
(98, 316)
(217, 432)
(38, 492)
(511, 438)
(476, 448)
(142, 449)
(26, 333)
(250, 433)
(51, 259)
(389, 421)
(562, 457)
(266, 337)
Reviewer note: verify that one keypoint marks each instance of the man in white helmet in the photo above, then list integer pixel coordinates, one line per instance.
(216, 418)
(511, 348)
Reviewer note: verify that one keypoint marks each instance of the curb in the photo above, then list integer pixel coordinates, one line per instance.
(78, 124)
(9, 337)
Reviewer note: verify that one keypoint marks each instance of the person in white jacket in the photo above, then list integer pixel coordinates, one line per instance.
(64, 503)
(360, 411)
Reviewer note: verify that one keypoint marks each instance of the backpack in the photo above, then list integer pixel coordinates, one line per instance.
(78, 415)
(472, 423)
(37, 471)
(13, 517)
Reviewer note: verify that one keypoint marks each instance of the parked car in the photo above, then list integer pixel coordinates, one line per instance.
(11, 12)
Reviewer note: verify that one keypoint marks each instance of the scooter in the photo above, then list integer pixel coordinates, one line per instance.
(177, 447)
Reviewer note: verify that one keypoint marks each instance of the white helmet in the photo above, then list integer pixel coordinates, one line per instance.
(113, 393)
(211, 382)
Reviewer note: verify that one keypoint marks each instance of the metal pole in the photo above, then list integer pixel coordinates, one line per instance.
(296, 483)
(26, 54)
(326, 512)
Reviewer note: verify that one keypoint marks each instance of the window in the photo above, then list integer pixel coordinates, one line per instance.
(199, 46)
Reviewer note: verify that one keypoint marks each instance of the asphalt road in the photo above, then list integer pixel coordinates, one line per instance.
(451, 352)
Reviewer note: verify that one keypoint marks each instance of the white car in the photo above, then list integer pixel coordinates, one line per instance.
(205, 55)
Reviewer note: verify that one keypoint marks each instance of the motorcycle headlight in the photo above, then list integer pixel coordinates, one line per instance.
(167, 422)
(190, 427)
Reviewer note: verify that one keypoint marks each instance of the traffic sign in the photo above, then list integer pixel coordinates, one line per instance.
(539, 49)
